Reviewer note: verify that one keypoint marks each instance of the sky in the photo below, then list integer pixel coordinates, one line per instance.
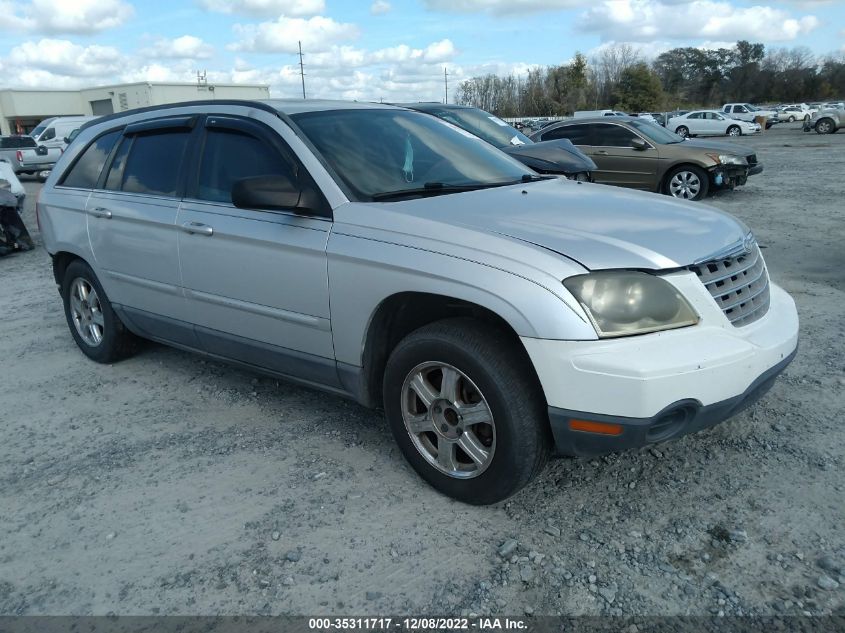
(393, 50)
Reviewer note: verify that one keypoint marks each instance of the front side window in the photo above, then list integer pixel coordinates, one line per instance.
(230, 155)
(49, 135)
(379, 153)
(695, 115)
(86, 171)
(154, 163)
(577, 134)
(612, 136)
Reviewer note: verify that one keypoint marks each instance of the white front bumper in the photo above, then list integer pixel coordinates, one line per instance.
(639, 376)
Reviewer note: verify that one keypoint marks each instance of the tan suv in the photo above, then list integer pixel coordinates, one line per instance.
(633, 153)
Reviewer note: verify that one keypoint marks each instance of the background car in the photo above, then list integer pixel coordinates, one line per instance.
(790, 114)
(633, 153)
(710, 123)
(9, 146)
(826, 121)
(555, 157)
(748, 112)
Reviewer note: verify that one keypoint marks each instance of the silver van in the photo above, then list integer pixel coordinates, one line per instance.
(498, 316)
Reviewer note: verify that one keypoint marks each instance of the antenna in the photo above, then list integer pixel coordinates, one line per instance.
(446, 85)
(301, 69)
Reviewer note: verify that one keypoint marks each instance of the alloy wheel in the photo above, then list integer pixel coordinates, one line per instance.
(734, 131)
(685, 184)
(448, 419)
(86, 312)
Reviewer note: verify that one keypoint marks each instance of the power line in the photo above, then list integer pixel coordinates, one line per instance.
(301, 69)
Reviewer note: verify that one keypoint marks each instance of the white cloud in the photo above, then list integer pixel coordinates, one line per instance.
(294, 8)
(62, 57)
(185, 47)
(317, 34)
(502, 7)
(64, 16)
(379, 7)
(647, 20)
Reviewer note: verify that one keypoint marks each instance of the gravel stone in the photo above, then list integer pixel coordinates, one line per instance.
(827, 583)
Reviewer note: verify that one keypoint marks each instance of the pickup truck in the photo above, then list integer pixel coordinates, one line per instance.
(748, 112)
(37, 160)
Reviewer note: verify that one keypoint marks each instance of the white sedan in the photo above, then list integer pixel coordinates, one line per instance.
(710, 123)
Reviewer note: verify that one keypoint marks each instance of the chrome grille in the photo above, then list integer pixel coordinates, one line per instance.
(739, 284)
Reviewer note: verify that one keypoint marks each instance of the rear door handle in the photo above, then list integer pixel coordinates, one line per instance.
(197, 227)
(100, 212)
(602, 152)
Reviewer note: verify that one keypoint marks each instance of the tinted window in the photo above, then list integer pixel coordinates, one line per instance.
(118, 163)
(49, 135)
(154, 163)
(86, 171)
(612, 136)
(578, 134)
(229, 156)
(695, 115)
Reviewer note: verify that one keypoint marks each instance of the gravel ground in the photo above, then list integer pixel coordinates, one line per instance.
(174, 485)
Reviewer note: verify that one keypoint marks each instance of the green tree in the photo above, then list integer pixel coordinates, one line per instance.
(638, 89)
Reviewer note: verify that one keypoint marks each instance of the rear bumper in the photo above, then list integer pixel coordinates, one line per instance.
(678, 419)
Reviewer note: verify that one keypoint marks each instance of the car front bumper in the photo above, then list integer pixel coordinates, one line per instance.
(613, 394)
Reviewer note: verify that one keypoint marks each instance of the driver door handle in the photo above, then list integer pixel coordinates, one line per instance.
(197, 228)
(100, 212)
(602, 152)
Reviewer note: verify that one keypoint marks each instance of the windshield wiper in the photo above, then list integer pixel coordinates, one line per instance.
(438, 188)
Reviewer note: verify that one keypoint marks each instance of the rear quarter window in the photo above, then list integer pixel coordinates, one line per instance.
(85, 172)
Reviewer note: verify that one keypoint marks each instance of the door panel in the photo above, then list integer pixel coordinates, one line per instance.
(258, 275)
(619, 165)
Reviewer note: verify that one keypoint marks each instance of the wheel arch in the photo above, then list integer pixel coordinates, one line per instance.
(61, 260)
(402, 313)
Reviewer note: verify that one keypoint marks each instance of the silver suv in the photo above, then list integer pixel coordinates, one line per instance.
(387, 256)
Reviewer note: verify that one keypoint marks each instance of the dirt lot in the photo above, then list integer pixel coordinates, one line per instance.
(170, 484)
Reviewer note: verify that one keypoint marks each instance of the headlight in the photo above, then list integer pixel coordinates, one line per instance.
(728, 159)
(620, 303)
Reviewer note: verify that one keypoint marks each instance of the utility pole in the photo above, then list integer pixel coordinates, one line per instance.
(446, 85)
(301, 69)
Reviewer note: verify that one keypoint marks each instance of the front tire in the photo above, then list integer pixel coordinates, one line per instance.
(734, 130)
(682, 131)
(687, 182)
(464, 405)
(95, 327)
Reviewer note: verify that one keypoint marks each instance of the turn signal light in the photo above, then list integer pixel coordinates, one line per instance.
(602, 428)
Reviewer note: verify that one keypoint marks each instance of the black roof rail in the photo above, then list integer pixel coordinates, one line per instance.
(183, 104)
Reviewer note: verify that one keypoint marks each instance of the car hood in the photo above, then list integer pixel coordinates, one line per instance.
(558, 156)
(600, 227)
(720, 147)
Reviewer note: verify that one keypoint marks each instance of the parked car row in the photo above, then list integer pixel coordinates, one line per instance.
(496, 314)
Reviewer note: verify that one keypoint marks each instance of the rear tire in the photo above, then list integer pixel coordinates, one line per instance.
(687, 182)
(825, 126)
(467, 370)
(95, 327)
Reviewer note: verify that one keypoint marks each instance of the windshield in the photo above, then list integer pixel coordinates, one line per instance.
(751, 108)
(375, 152)
(655, 132)
(483, 124)
(40, 128)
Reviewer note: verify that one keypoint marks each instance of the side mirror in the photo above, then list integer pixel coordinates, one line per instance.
(639, 144)
(267, 192)
(66, 140)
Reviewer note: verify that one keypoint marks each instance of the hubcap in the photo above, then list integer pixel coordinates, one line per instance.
(734, 131)
(685, 184)
(86, 312)
(682, 132)
(448, 419)
(824, 126)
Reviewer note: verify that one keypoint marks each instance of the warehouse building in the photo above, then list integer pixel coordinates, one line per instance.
(22, 110)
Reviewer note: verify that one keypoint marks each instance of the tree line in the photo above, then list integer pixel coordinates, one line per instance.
(619, 77)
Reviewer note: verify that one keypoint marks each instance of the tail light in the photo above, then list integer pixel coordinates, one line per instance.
(37, 205)
(19, 156)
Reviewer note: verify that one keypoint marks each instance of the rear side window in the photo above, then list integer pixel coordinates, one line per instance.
(230, 155)
(86, 170)
(153, 164)
(578, 134)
